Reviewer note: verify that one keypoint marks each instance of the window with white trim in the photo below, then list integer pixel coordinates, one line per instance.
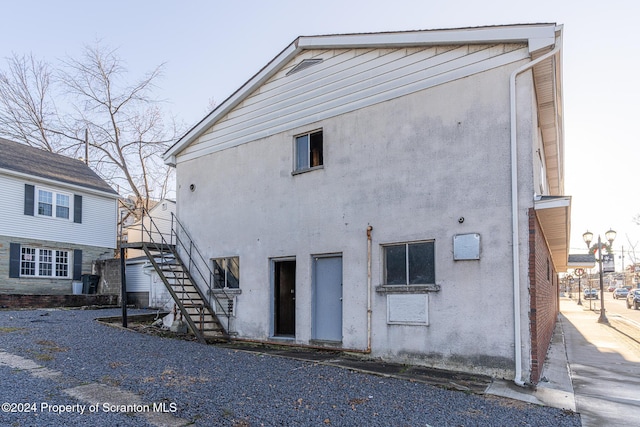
(42, 262)
(226, 273)
(410, 264)
(308, 151)
(53, 204)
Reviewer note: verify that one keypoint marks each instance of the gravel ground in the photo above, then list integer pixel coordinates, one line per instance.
(204, 385)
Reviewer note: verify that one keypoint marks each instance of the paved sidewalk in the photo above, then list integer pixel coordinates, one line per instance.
(591, 368)
(555, 388)
(604, 366)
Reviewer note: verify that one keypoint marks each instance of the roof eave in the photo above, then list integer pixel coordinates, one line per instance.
(536, 36)
(554, 214)
(231, 102)
(63, 184)
(549, 94)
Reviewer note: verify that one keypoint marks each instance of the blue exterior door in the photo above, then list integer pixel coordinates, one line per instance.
(327, 303)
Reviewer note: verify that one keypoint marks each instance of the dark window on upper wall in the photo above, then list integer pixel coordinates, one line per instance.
(309, 151)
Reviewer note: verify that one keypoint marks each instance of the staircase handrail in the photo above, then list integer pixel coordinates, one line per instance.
(190, 249)
(200, 264)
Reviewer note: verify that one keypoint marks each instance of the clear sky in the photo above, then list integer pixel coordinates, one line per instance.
(213, 47)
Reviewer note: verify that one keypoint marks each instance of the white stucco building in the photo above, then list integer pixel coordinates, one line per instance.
(398, 194)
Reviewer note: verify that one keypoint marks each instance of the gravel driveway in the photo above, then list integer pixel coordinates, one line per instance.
(63, 368)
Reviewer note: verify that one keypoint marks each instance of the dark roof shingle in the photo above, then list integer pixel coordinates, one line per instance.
(44, 164)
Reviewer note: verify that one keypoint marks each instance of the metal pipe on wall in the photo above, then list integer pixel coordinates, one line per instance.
(369, 230)
(514, 207)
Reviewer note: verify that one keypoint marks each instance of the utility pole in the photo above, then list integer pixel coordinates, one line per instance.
(86, 146)
(624, 273)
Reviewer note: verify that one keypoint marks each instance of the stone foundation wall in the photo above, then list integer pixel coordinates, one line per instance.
(50, 301)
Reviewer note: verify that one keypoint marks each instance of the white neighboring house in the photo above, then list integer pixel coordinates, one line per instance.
(57, 216)
(144, 286)
(398, 194)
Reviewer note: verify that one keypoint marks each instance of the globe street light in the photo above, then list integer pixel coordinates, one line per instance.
(588, 238)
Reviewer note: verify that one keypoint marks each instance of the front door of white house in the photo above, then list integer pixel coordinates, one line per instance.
(327, 298)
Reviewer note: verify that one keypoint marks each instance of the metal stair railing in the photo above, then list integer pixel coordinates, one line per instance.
(179, 301)
(199, 267)
(180, 244)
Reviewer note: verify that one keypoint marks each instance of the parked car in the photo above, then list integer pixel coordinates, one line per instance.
(611, 288)
(590, 294)
(620, 293)
(633, 299)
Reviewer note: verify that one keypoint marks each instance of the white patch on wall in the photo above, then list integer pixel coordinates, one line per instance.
(408, 309)
(466, 247)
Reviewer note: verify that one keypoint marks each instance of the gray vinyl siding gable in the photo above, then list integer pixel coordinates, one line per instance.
(346, 80)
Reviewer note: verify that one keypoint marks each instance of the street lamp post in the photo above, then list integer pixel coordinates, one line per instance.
(579, 272)
(588, 238)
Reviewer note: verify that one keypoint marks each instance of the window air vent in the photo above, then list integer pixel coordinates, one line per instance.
(306, 63)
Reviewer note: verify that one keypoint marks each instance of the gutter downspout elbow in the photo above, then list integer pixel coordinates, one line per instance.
(514, 207)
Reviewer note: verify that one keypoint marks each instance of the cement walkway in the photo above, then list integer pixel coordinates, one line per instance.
(591, 368)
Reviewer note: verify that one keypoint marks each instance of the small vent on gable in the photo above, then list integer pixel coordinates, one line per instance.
(306, 63)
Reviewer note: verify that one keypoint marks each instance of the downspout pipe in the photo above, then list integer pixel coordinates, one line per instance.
(369, 230)
(514, 206)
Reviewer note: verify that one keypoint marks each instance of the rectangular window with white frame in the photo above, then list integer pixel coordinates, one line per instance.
(62, 264)
(42, 262)
(409, 263)
(309, 151)
(53, 204)
(226, 273)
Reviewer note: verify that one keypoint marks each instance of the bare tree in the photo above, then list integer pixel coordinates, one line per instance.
(126, 129)
(26, 103)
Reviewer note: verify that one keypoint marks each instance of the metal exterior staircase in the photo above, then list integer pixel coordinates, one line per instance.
(185, 273)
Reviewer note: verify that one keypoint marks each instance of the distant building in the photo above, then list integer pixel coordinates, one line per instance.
(144, 286)
(581, 261)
